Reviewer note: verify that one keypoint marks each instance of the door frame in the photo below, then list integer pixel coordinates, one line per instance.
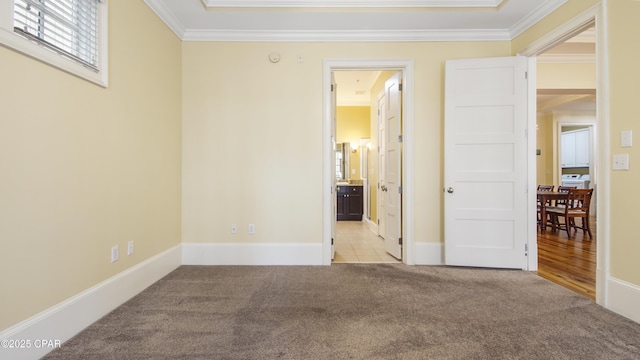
(408, 217)
(594, 15)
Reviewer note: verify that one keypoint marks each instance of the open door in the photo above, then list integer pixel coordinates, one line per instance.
(382, 184)
(392, 189)
(485, 172)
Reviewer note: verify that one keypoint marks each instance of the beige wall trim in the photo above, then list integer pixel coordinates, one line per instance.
(66, 319)
(251, 254)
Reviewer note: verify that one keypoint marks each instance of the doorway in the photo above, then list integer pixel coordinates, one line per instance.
(361, 166)
(575, 111)
(405, 68)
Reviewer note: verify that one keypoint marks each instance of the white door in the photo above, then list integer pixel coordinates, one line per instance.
(381, 167)
(334, 200)
(393, 166)
(485, 162)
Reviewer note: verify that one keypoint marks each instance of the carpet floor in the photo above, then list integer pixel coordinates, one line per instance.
(355, 311)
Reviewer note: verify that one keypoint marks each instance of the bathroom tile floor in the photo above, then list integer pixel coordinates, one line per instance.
(356, 243)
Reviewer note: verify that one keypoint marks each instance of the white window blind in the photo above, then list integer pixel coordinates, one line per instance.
(68, 27)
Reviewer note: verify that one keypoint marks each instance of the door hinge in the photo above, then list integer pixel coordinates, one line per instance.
(399, 189)
(399, 241)
(526, 75)
(526, 249)
(378, 111)
(331, 241)
(331, 87)
(400, 87)
(378, 221)
(399, 138)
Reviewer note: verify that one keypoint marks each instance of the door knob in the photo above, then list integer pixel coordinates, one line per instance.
(450, 190)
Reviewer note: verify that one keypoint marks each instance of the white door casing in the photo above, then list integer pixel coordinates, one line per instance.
(485, 177)
(393, 166)
(408, 171)
(334, 200)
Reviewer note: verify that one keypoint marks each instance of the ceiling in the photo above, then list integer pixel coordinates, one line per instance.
(351, 20)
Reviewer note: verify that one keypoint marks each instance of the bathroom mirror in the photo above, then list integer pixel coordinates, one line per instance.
(343, 152)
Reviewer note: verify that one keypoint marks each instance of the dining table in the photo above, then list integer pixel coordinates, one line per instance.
(543, 198)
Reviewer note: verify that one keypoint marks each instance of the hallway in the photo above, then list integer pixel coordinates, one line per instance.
(356, 243)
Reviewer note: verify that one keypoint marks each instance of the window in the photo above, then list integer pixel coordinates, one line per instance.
(68, 34)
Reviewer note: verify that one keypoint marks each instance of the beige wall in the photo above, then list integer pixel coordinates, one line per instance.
(83, 168)
(558, 76)
(624, 50)
(544, 143)
(253, 135)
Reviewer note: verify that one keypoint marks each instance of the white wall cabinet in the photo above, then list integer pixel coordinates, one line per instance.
(576, 148)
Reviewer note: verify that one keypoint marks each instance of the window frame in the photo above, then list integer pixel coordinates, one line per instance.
(12, 40)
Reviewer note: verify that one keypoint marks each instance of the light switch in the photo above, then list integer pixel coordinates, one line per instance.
(626, 138)
(621, 162)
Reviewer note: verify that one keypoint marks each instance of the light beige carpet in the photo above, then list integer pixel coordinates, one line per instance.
(355, 311)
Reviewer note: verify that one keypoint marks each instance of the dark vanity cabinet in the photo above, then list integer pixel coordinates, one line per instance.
(349, 202)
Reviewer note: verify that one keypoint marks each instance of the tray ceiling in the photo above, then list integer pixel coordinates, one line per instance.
(351, 20)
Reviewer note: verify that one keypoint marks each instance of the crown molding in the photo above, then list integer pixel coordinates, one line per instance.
(347, 36)
(167, 17)
(359, 4)
(536, 15)
(184, 34)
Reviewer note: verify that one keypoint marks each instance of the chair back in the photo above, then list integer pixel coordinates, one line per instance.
(579, 200)
(564, 189)
(545, 188)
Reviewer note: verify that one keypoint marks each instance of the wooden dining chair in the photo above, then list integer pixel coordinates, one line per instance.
(577, 206)
(543, 188)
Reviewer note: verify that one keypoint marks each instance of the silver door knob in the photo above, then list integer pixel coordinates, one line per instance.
(450, 190)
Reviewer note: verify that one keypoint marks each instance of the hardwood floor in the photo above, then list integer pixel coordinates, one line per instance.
(570, 262)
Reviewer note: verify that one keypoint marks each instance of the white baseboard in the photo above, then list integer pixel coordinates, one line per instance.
(371, 225)
(428, 253)
(251, 254)
(64, 320)
(623, 298)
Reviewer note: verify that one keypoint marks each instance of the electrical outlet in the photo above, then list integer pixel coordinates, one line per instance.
(252, 229)
(234, 228)
(130, 248)
(115, 253)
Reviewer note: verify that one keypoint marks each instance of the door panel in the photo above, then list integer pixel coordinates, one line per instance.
(382, 229)
(485, 162)
(393, 166)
